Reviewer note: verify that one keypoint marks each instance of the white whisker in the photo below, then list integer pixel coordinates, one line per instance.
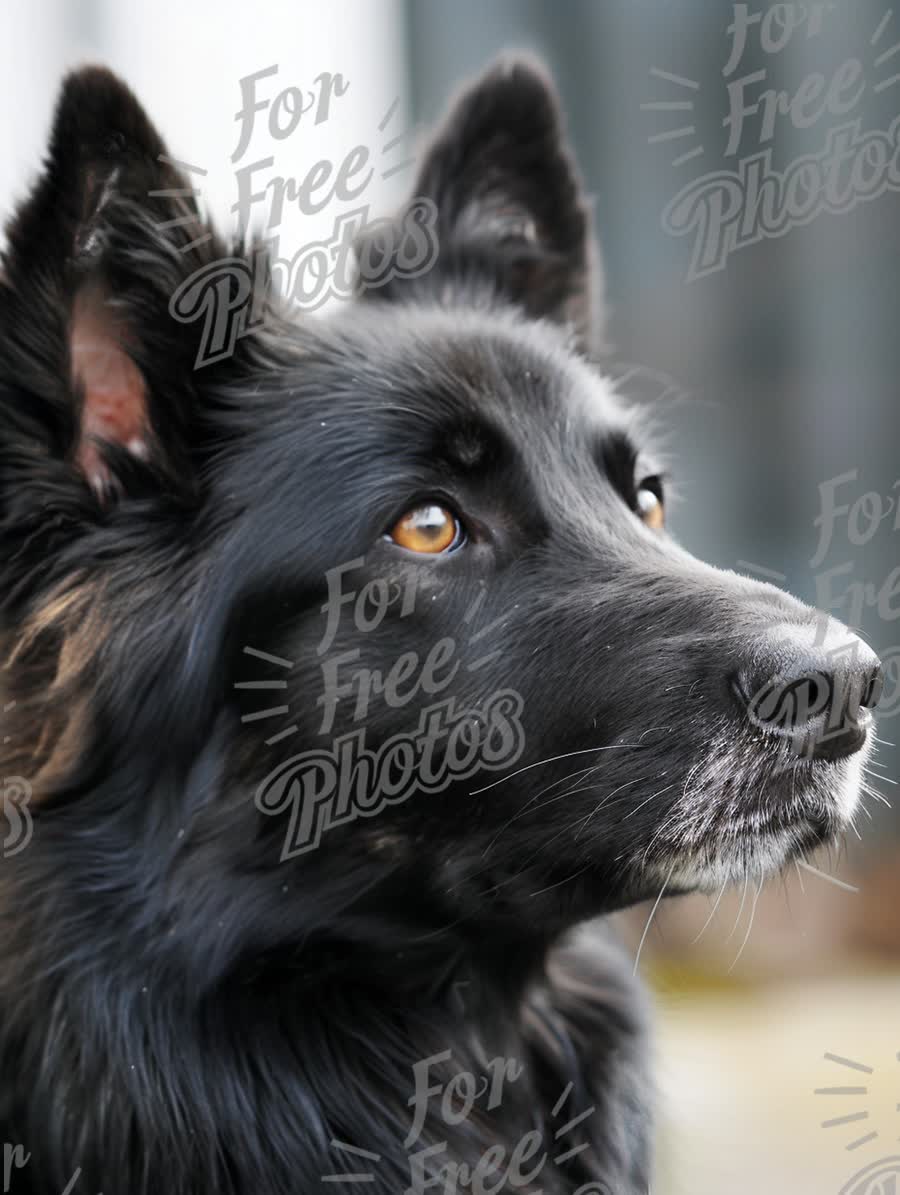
(637, 808)
(606, 800)
(737, 957)
(637, 957)
(737, 920)
(529, 803)
(550, 759)
(823, 875)
(708, 921)
(878, 776)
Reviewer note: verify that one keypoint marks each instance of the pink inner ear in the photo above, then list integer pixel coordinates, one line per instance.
(115, 397)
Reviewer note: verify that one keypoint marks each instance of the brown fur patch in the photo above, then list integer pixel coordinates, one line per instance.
(45, 682)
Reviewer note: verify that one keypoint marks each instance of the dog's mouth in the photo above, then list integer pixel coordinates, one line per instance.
(786, 777)
(749, 808)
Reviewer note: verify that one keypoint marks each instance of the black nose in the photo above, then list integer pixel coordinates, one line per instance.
(815, 695)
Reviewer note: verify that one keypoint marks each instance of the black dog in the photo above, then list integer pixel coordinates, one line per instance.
(248, 951)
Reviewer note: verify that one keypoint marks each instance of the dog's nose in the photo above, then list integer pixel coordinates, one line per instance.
(816, 695)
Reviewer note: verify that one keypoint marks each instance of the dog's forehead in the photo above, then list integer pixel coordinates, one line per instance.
(477, 372)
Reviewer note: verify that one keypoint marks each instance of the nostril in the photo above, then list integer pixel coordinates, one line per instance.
(785, 704)
(806, 697)
(874, 688)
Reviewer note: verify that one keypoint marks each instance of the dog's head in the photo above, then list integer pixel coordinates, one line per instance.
(382, 602)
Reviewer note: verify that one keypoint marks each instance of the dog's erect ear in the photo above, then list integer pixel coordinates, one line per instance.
(512, 220)
(93, 367)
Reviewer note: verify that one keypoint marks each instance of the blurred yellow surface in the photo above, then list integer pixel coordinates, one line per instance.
(740, 1076)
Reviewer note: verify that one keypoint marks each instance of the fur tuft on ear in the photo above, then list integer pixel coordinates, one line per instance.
(513, 222)
(100, 138)
(93, 368)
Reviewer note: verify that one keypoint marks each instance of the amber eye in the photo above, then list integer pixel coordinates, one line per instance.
(427, 528)
(650, 504)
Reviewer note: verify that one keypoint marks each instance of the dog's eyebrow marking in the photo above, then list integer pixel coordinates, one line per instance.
(617, 455)
(467, 446)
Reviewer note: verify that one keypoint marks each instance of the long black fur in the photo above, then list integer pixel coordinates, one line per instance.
(181, 1010)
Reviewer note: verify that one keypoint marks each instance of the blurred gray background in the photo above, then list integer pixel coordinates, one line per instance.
(775, 374)
(792, 347)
